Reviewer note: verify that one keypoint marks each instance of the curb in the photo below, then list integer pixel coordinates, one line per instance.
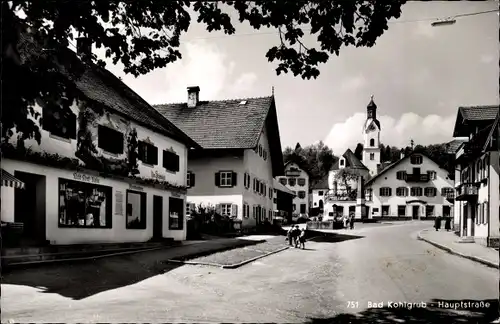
(451, 251)
(237, 265)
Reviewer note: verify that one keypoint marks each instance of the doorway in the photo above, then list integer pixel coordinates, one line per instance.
(157, 217)
(30, 206)
(415, 212)
(446, 211)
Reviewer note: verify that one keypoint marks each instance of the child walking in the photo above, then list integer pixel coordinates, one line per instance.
(302, 238)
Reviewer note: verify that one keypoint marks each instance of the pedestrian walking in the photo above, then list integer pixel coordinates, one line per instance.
(296, 234)
(437, 223)
(447, 224)
(345, 220)
(302, 239)
(289, 235)
(351, 222)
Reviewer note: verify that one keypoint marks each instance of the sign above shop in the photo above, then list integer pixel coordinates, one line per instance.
(135, 187)
(84, 177)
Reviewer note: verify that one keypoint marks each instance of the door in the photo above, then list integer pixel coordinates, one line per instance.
(446, 211)
(415, 211)
(157, 217)
(367, 212)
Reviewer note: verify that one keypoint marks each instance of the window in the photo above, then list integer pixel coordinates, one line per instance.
(59, 123)
(301, 182)
(416, 191)
(416, 159)
(255, 181)
(303, 208)
(402, 192)
(109, 140)
(291, 181)
(385, 191)
(294, 207)
(341, 162)
(225, 179)
(302, 194)
(264, 155)
(372, 156)
(83, 204)
(136, 210)
(283, 181)
(246, 181)
(401, 175)
(447, 191)
(385, 210)
(320, 193)
(260, 150)
(429, 211)
(148, 153)
(369, 194)
(271, 193)
(270, 214)
(432, 175)
(190, 179)
(171, 161)
(175, 214)
(225, 209)
(245, 214)
(416, 170)
(430, 192)
(261, 191)
(401, 210)
(372, 142)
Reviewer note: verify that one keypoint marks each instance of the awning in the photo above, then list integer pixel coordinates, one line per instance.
(8, 180)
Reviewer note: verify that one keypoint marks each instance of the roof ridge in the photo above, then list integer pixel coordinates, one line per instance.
(218, 100)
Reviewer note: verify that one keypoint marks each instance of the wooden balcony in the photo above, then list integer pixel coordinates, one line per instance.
(417, 178)
(467, 192)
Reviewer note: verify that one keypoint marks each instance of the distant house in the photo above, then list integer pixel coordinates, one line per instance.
(110, 169)
(317, 196)
(477, 181)
(239, 155)
(297, 180)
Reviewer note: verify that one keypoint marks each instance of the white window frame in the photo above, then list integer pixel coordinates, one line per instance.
(224, 208)
(405, 191)
(416, 160)
(413, 195)
(226, 178)
(429, 190)
(385, 191)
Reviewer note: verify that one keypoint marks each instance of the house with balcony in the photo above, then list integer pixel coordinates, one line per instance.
(477, 197)
(108, 168)
(238, 157)
(414, 187)
(296, 179)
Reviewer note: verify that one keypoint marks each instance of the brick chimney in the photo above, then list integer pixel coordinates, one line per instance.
(193, 96)
(83, 46)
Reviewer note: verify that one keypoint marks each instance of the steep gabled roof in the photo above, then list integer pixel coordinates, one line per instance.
(453, 146)
(230, 124)
(351, 162)
(100, 86)
(278, 186)
(473, 114)
(391, 166)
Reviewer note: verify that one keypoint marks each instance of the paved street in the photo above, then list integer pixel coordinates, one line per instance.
(330, 280)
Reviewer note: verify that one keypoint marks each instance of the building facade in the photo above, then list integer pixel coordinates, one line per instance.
(477, 197)
(297, 180)
(102, 172)
(282, 202)
(415, 187)
(239, 156)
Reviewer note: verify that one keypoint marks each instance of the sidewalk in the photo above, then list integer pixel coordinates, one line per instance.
(449, 242)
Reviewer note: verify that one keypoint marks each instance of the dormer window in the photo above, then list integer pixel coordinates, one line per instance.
(416, 159)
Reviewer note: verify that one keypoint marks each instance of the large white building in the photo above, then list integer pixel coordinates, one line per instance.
(110, 169)
(477, 181)
(239, 155)
(412, 187)
(297, 180)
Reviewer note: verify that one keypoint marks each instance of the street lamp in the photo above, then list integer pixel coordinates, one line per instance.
(444, 22)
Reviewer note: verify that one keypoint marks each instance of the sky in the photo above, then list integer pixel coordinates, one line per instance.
(418, 74)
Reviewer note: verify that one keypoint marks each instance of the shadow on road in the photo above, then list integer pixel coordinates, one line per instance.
(83, 279)
(433, 313)
(333, 237)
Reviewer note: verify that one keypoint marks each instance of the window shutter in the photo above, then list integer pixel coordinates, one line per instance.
(72, 126)
(254, 181)
(140, 150)
(176, 163)
(234, 181)
(245, 180)
(217, 179)
(192, 179)
(153, 155)
(265, 190)
(244, 210)
(234, 210)
(218, 209)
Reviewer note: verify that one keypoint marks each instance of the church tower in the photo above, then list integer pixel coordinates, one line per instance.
(371, 135)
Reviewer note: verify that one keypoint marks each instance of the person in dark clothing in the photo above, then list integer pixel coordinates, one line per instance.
(447, 224)
(351, 222)
(302, 239)
(437, 223)
(289, 235)
(296, 234)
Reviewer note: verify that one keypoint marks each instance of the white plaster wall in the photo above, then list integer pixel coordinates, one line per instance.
(261, 169)
(315, 197)
(298, 201)
(205, 191)
(67, 147)
(7, 203)
(389, 179)
(118, 233)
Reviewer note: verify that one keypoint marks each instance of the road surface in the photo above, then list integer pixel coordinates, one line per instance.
(352, 280)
